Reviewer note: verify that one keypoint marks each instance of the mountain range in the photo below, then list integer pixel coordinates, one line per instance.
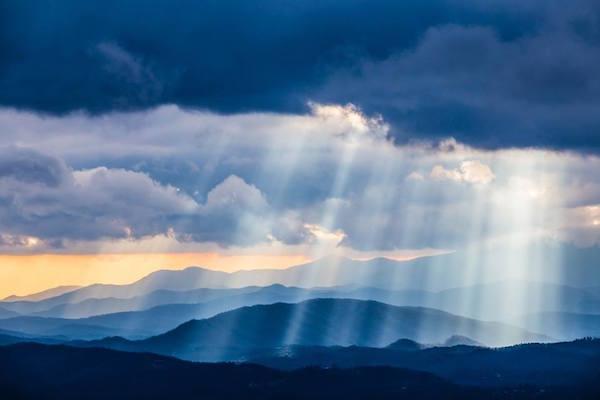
(44, 294)
(232, 335)
(564, 313)
(516, 297)
(442, 274)
(429, 335)
(551, 364)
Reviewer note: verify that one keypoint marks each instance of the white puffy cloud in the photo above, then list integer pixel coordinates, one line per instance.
(349, 121)
(440, 173)
(234, 192)
(86, 204)
(415, 176)
(470, 171)
(476, 172)
(130, 190)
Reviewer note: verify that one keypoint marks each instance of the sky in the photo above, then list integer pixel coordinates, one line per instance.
(238, 135)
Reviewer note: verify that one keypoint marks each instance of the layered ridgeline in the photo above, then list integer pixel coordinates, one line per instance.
(142, 324)
(236, 334)
(499, 300)
(165, 299)
(436, 273)
(45, 294)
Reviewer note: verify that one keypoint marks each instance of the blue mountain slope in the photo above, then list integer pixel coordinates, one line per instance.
(45, 294)
(567, 326)
(319, 322)
(495, 301)
(58, 327)
(91, 307)
(162, 318)
(7, 313)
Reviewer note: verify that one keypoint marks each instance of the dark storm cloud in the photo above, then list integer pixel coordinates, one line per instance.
(492, 74)
(467, 82)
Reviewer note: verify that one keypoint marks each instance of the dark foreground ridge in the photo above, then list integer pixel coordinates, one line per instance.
(29, 370)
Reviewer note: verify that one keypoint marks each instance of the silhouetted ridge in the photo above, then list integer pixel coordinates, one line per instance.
(554, 371)
(458, 340)
(405, 345)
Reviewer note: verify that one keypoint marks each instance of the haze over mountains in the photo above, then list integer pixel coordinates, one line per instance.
(434, 273)
(319, 322)
(557, 298)
(165, 299)
(252, 317)
(362, 314)
(45, 294)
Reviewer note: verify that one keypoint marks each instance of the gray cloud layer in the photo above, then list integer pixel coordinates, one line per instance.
(252, 179)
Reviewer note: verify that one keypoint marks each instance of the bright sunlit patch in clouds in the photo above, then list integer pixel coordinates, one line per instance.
(470, 171)
(349, 121)
(27, 242)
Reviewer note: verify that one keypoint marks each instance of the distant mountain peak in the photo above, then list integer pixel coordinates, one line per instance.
(44, 294)
(405, 344)
(460, 340)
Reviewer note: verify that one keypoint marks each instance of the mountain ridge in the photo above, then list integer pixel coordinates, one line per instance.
(317, 322)
(161, 318)
(553, 371)
(332, 272)
(42, 295)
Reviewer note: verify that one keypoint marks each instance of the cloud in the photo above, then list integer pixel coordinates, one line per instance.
(85, 204)
(46, 204)
(30, 167)
(349, 121)
(582, 225)
(470, 171)
(233, 192)
(180, 179)
(501, 75)
(474, 171)
(415, 176)
(440, 173)
(18, 241)
(472, 83)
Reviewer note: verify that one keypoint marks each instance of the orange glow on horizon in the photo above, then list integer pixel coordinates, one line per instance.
(26, 274)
